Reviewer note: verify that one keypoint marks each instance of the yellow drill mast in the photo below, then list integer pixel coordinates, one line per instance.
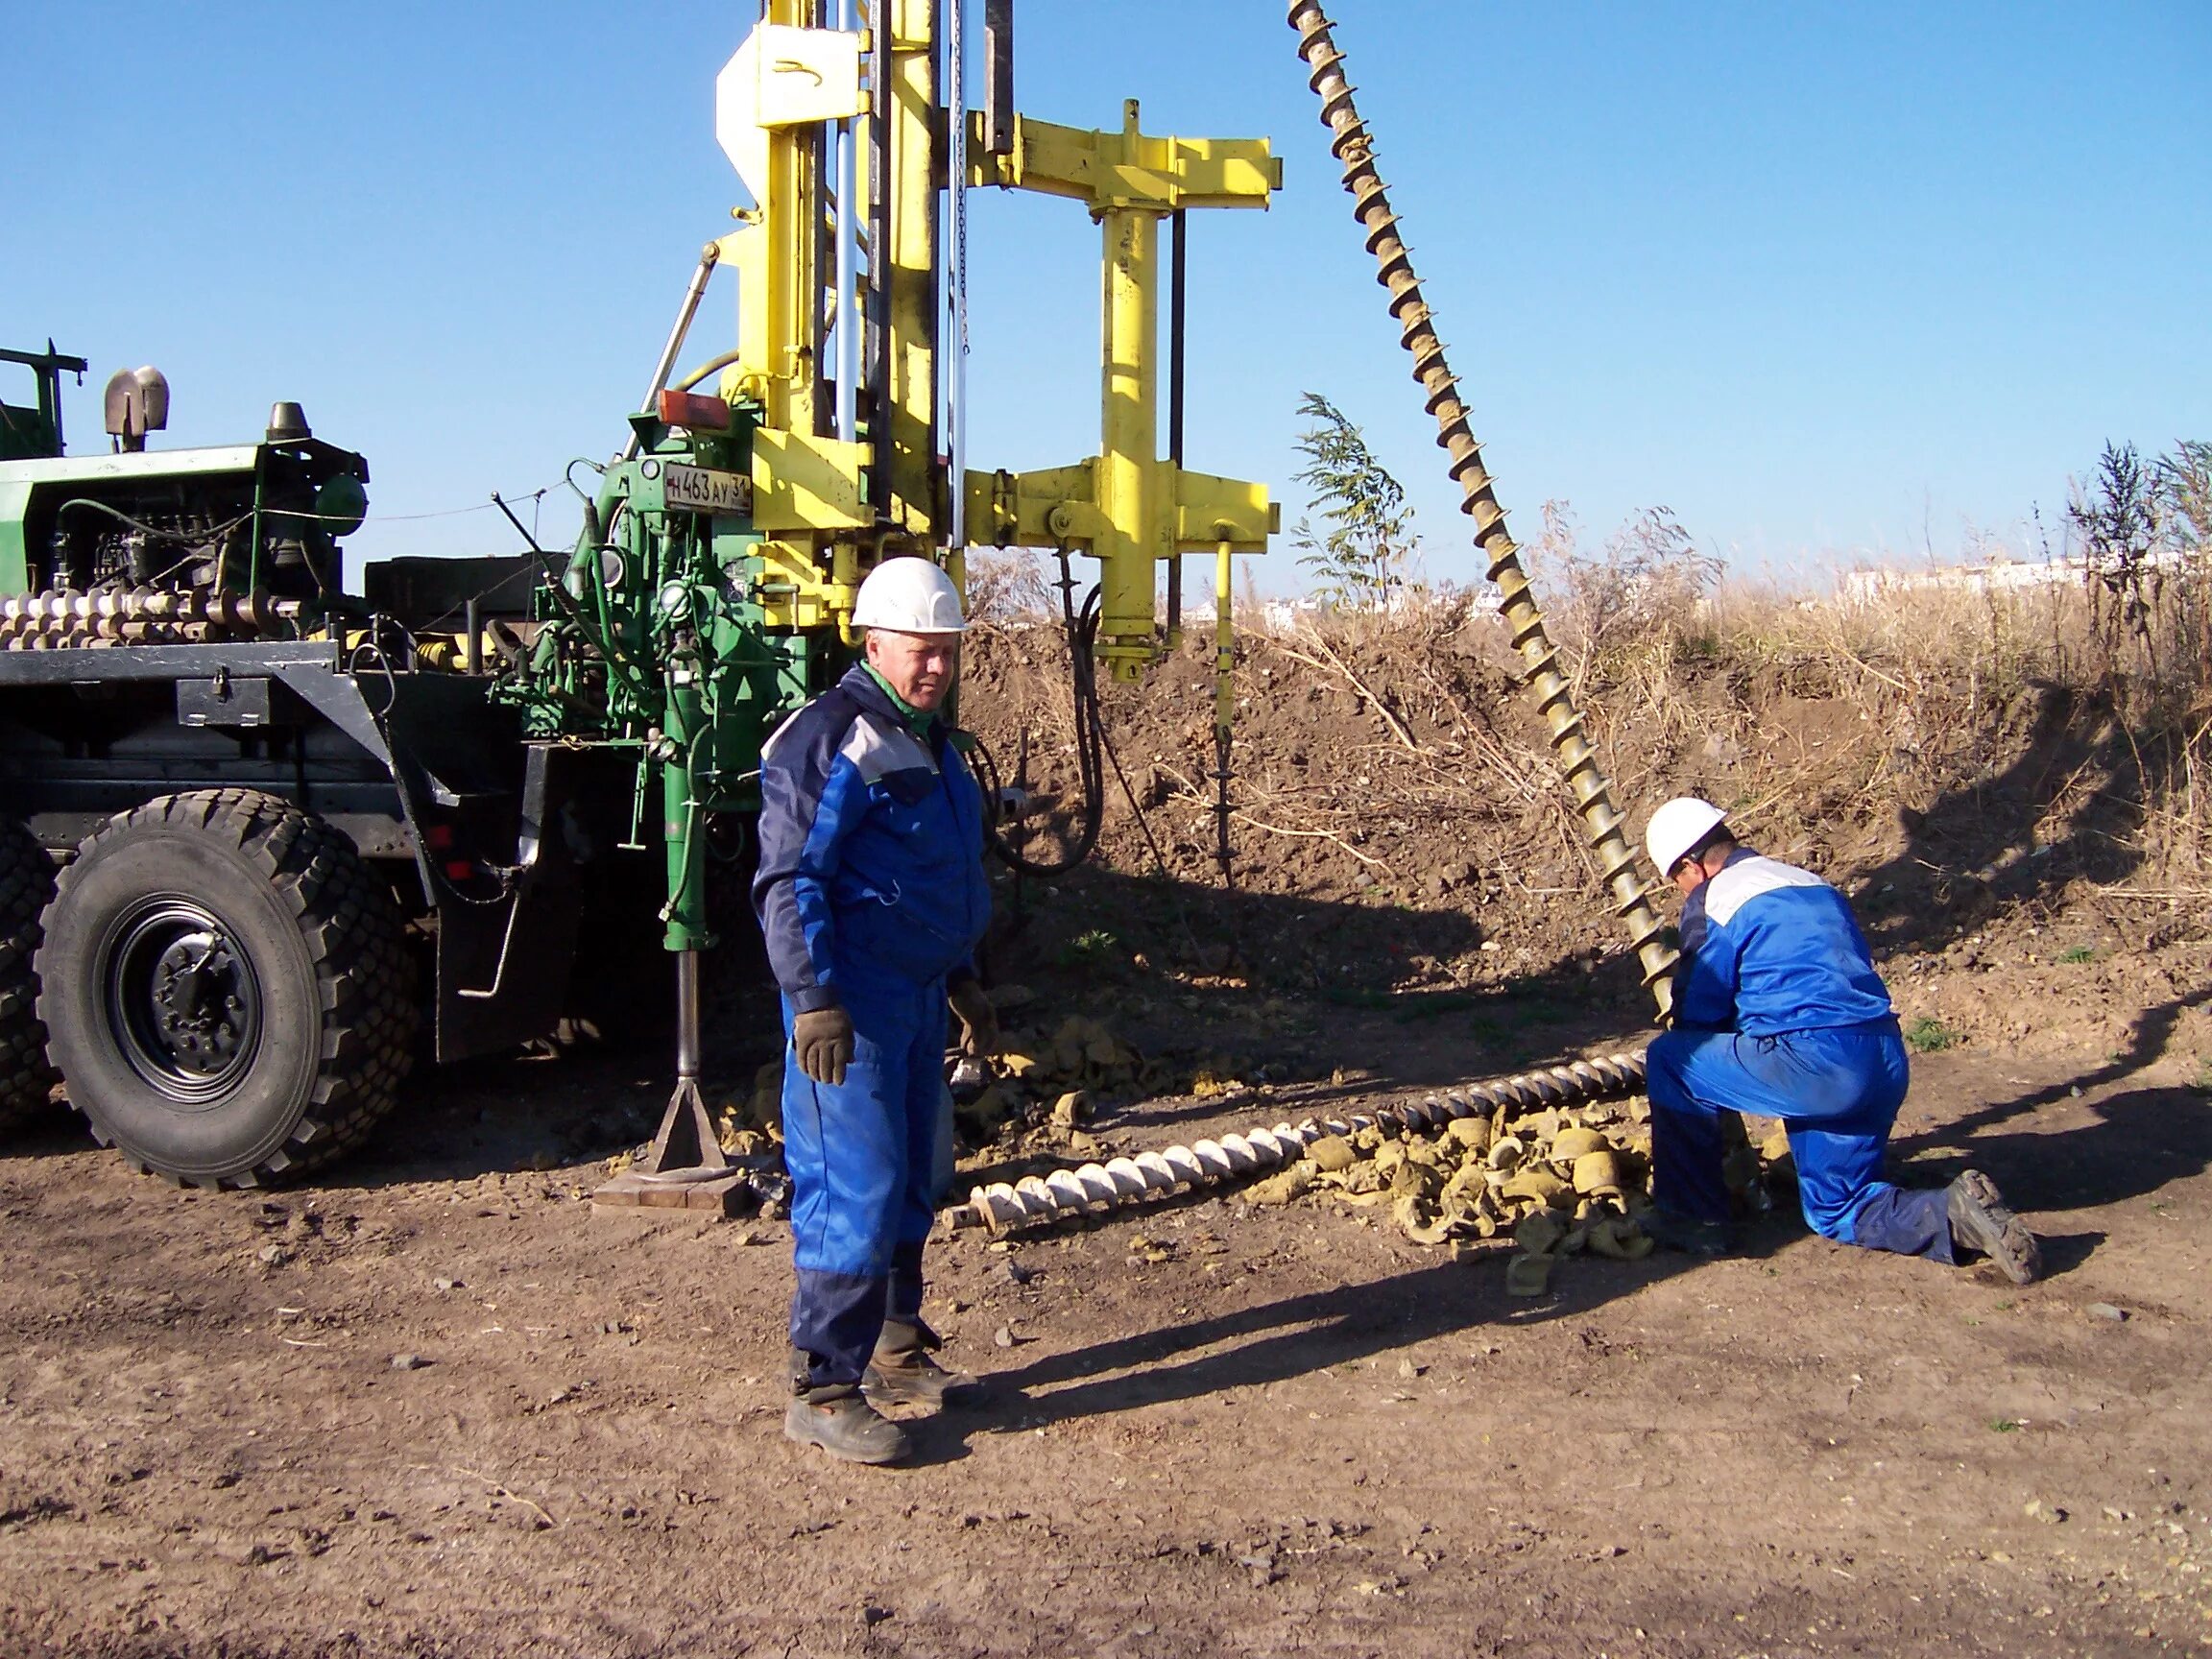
(835, 114)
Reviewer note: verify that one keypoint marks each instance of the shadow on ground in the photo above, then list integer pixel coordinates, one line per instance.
(1279, 1341)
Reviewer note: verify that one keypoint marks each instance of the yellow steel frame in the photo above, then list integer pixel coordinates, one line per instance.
(1125, 506)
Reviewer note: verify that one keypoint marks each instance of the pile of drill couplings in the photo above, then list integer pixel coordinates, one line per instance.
(1100, 1189)
(70, 620)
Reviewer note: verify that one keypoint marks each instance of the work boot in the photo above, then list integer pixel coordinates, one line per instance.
(1671, 1230)
(1980, 1220)
(838, 1419)
(902, 1372)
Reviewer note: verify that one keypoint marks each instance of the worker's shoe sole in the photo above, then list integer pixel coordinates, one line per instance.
(1982, 1220)
(924, 1382)
(1671, 1231)
(845, 1425)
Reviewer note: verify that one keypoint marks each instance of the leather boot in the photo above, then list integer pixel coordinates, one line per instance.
(1671, 1230)
(836, 1418)
(902, 1372)
(1982, 1220)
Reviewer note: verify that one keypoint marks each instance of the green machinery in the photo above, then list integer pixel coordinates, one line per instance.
(515, 766)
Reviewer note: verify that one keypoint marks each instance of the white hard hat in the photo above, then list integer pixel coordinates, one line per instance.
(1678, 827)
(908, 595)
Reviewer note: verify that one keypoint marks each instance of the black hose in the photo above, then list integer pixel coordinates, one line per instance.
(1082, 632)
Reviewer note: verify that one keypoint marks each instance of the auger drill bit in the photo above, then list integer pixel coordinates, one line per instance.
(1555, 697)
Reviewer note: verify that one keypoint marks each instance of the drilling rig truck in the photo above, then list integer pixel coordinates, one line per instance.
(264, 838)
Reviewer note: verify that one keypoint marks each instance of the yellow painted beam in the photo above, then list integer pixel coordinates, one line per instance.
(792, 592)
(1129, 509)
(1057, 507)
(802, 482)
(1128, 169)
(1209, 511)
(912, 271)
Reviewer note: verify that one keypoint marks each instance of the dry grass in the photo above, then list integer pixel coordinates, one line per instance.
(1827, 723)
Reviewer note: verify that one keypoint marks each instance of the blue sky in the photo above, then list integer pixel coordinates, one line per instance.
(1829, 281)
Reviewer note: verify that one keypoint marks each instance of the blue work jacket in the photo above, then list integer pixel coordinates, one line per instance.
(1768, 949)
(871, 847)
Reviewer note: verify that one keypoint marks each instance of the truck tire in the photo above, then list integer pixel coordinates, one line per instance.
(25, 889)
(226, 990)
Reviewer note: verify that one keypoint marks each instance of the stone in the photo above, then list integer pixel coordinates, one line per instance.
(1470, 1133)
(1528, 1275)
(1599, 1173)
(1072, 1108)
(1282, 1187)
(1332, 1153)
(1618, 1240)
(2106, 1311)
(1539, 1186)
(408, 1361)
(1539, 1234)
(1569, 1145)
(1414, 1178)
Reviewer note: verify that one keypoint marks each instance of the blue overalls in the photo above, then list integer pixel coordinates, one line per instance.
(871, 892)
(1778, 1011)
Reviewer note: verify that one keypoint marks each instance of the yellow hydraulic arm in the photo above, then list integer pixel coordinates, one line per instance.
(1125, 506)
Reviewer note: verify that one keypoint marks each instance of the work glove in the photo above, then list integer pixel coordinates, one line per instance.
(979, 1019)
(823, 1040)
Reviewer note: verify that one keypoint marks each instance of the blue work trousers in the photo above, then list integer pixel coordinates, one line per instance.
(1837, 1093)
(861, 1155)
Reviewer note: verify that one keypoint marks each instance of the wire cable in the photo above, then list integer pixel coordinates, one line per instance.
(1081, 629)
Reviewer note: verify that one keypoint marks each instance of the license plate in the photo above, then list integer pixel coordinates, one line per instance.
(704, 489)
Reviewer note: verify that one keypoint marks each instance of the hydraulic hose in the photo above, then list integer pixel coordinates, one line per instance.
(1355, 150)
(1082, 632)
(1038, 1201)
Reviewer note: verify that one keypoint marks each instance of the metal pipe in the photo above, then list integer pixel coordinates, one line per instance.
(472, 654)
(877, 350)
(687, 1042)
(999, 72)
(1355, 149)
(1177, 274)
(1100, 1188)
(953, 353)
(692, 295)
(847, 312)
(1224, 704)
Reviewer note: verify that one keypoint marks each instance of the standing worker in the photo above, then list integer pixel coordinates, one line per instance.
(1778, 1011)
(872, 898)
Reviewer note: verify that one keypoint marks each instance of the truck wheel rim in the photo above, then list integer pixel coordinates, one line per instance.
(183, 1004)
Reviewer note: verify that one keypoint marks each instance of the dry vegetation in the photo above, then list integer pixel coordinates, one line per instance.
(1938, 748)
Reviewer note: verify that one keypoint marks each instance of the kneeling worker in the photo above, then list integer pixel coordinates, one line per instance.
(1778, 1011)
(872, 898)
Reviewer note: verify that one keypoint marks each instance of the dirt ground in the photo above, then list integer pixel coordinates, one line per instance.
(438, 1405)
(435, 1404)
